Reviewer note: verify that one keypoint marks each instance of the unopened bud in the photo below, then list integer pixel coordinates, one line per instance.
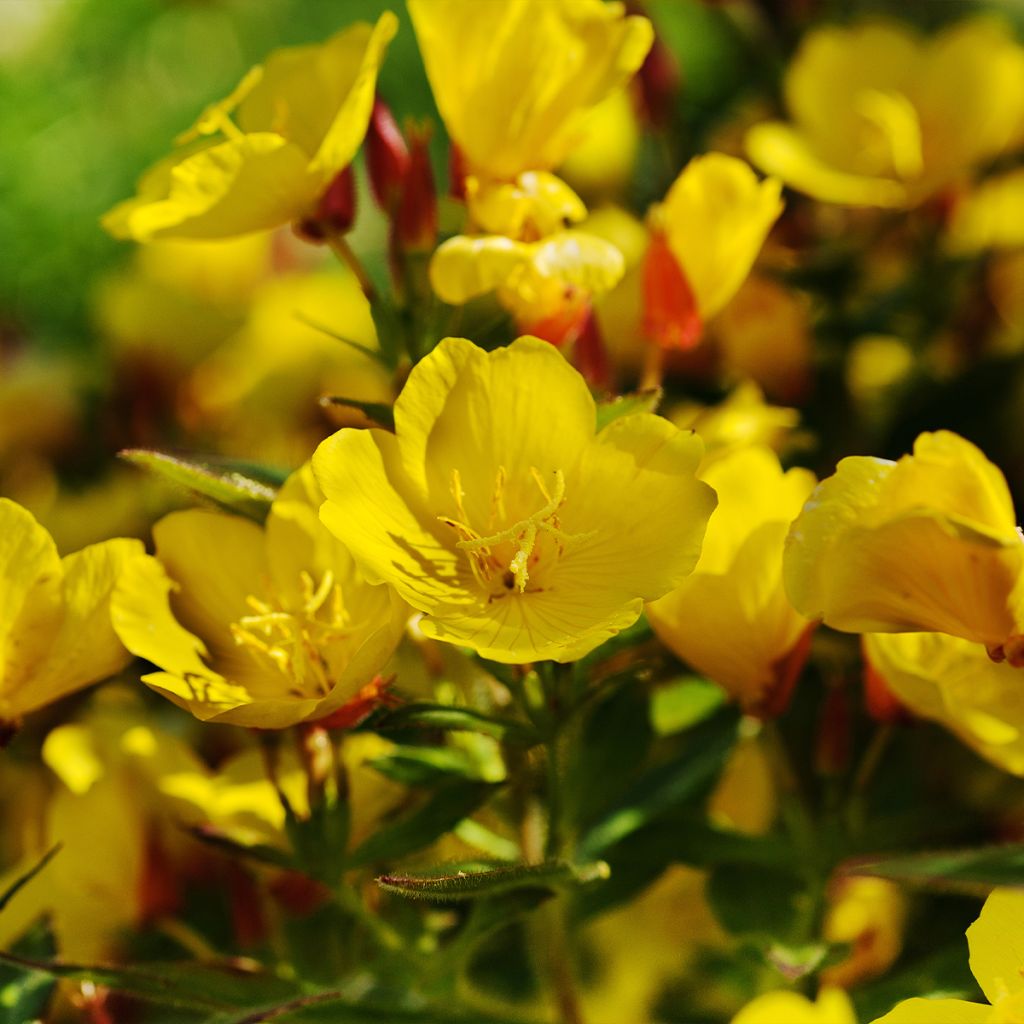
(879, 701)
(832, 753)
(387, 156)
(335, 212)
(416, 217)
(457, 173)
(786, 671)
(659, 79)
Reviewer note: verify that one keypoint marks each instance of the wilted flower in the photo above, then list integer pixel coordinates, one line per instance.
(498, 510)
(997, 964)
(884, 117)
(268, 153)
(254, 626)
(55, 633)
(730, 618)
(926, 543)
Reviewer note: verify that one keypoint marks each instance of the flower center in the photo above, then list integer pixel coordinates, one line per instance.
(294, 643)
(509, 554)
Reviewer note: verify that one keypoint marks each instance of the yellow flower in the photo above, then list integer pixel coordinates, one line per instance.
(884, 117)
(266, 154)
(258, 627)
(514, 81)
(730, 619)
(870, 915)
(534, 280)
(996, 944)
(602, 163)
(926, 543)
(990, 217)
(499, 512)
(716, 217)
(55, 633)
(832, 1006)
(954, 682)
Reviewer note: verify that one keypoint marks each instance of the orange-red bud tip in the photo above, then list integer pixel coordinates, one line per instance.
(387, 156)
(671, 319)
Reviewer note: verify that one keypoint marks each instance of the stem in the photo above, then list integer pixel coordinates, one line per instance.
(351, 902)
(341, 249)
(869, 762)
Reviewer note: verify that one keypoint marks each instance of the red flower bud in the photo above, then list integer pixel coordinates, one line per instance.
(659, 79)
(832, 753)
(335, 212)
(416, 217)
(671, 319)
(387, 156)
(880, 702)
(457, 173)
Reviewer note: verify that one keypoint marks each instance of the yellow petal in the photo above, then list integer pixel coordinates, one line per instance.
(716, 217)
(833, 1006)
(512, 81)
(85, 648)
(928, 543)
(990, 217)
(320, 96)
(534, 205)
(996, 942)
(779, 150)
(930, 1011)
(463, 267)
(248, 184)
(30, 599)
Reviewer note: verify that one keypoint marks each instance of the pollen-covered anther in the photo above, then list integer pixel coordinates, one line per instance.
(522, 534)
(294, 642)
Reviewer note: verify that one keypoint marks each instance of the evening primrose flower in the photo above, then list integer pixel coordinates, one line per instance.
(498, 511)
(514, 82)
(262, 627)
(730, 618)
(996, 944)
(55, 634)
(268, 153)
(954, 682)
(705, 238)
(884, 117)
(926, 543)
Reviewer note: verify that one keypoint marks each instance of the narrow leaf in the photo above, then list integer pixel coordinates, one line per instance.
(446, 807)
(236, 486)
(19, 883)
(365, 350)
(443, 716)
(476, 880)
(974, 871)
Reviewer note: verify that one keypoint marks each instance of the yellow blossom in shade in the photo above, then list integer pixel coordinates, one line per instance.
(532, 278)
(55, 633)
(730, 618)
(715, 219)
(996, 944)
(513, 81)
(262, 627)
(266, 154)
(870, 915)
(602, 163)
(499, 512)
(989, 217)
(832, 1006)
(926, 543)
(881, 116)
(954, 682)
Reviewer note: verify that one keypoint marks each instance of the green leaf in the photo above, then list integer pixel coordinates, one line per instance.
(444, 716)
(683, 703)
(428, 766)
(24, 995)
(973, 871)
(378, 412)
(647, 400)
(370, 353)
(210, 835)
(445, 808)
(763, 903)
(18, 883)
(667, 786)
(480, 879)
(187, 986)
(240, 487)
